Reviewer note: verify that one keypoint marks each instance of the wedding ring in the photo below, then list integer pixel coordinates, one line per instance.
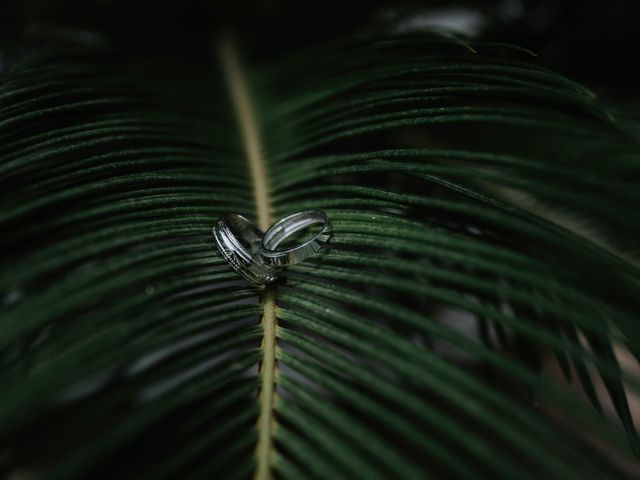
(238, 240)
(288, 226)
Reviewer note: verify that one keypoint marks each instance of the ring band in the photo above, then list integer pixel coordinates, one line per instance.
(287, 226)
(238, 240)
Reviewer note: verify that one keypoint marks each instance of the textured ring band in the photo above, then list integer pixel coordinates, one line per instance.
(238, 240)
(288, 226)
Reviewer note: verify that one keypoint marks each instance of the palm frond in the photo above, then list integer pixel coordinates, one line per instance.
(484, 211)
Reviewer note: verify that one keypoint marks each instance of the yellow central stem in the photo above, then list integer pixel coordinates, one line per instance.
(248, 124)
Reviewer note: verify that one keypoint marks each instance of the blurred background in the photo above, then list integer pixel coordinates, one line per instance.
(592, 42)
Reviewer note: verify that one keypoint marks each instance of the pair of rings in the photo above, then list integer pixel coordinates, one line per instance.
(258, 257)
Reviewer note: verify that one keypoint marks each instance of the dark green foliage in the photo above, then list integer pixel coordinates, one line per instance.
(460, 179)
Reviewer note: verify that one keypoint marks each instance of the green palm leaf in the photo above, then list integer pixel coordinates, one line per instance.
(465, 184)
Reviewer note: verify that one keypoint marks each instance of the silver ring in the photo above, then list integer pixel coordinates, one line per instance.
(289, 225)
(238, 240)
